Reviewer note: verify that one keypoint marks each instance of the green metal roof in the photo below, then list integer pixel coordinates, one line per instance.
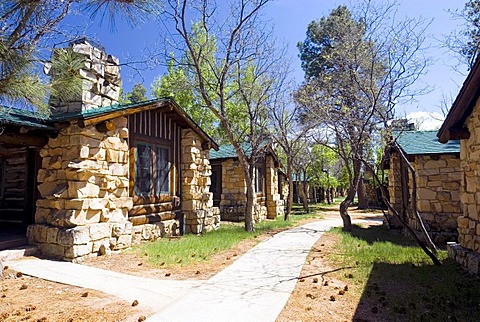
(424, 142)
(227, 151)
(25, 118)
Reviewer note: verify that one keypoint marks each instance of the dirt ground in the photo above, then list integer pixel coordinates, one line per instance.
(25, 298)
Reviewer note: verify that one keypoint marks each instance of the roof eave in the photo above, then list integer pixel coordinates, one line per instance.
(452, 127)
(167, 104)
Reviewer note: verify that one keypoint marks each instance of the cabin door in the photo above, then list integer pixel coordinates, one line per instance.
(18, 170)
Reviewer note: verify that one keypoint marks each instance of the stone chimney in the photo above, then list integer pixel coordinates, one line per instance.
(101, 80)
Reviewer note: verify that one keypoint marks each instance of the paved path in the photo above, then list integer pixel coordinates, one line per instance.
(153, 293)
(254, 288)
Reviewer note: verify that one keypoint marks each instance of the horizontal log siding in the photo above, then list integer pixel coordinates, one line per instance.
(13, 182)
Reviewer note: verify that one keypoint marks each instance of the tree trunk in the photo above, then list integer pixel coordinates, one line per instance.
(347, 221)
(352, 189)
(249, 207)
(290, 189)
(362, 194)
(329, 192)
(323, 196)
(303, 189)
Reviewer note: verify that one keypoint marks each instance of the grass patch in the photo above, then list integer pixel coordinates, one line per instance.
(396, 281)
(190, 248)
(315, 208)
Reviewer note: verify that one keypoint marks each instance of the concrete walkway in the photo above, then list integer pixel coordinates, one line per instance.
(153, 293)
(254, 288)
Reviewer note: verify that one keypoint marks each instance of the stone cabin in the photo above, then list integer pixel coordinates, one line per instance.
(230, 191)
(463, 123)
(97, 176)
(438, 177)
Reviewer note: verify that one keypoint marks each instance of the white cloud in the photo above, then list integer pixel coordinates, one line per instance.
(426, 121)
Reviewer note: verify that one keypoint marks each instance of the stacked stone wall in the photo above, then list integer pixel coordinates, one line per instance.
(234, 191)
(197, 200)
(84, 193)
(234, 194)
(438, 195)
(284, 188)
(275, 205)
(467, 251)
(101, 80)
(438, 199)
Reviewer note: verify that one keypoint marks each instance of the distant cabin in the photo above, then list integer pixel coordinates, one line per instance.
(438, 177)
(230, 191)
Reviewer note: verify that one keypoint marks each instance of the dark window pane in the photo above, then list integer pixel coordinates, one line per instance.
(258, 179)
(143, 173)
(162, 180)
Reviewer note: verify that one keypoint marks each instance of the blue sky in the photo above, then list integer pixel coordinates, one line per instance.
(291, 18)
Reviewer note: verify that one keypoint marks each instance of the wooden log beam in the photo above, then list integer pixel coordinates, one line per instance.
(152, 218)
(458, 134)
(150, 209)
(105, 126)
(143, 200)
(39, 140)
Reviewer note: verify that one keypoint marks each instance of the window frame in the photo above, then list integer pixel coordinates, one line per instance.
(259, 179)
(155, 187)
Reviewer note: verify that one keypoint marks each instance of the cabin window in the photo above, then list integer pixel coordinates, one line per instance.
(162, 177)
(216, 184)
(152, 175)
(259, 179)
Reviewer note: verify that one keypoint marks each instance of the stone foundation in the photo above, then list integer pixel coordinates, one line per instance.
(469, 259)
(73, 244)
(161, 229)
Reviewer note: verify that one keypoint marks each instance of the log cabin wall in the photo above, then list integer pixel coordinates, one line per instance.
(17, 182)
(156, 210)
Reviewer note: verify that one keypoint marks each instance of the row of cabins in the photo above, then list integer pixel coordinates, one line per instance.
(97, 176)
(447, 176)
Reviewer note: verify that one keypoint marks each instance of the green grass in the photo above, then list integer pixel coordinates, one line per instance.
(190, 248)
(297, 208)
(395, 276)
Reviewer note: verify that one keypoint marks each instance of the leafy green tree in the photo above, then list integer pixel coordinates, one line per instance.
(357, 67)
(179, 83)
(138, 93)
(323, 170)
